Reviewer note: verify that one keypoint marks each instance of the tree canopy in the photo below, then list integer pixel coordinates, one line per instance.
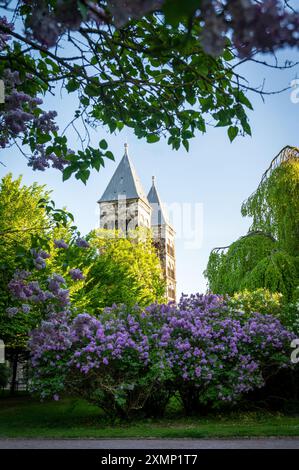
(274, 206)
(162, 68)
(26, 224)
(123, 270)
(268, 255)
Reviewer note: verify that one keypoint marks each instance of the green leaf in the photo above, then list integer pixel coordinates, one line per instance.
(224, 117)
(232, 132)
(67, 172)
(152, 138)
(97, 162)
(103, 144)
(83, 9)
(83, 175)
(84, 100)
(43, 138)
(91, 90)
(243, 99)
(109, 155)
(201, 125)
(186, 144)
(176, 9)
(72, 85)
(227, 55)
(246, 127)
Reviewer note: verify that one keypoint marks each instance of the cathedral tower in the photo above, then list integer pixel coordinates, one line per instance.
(125, 206)
(164, 239)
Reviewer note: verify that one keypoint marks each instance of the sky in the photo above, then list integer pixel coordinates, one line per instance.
(213, 178)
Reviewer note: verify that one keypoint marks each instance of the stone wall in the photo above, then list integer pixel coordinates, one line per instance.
(124, 214)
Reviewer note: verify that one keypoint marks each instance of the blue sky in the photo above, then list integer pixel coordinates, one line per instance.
(215, 173)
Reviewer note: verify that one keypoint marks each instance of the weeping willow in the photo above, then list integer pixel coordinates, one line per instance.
(268, 256)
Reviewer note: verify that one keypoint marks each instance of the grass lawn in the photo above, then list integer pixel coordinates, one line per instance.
(24, 417)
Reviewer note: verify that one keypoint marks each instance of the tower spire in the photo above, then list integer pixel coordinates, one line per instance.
(126, 149)
(124, 182)
(153, 180)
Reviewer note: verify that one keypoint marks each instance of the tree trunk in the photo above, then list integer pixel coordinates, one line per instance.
(190, 399)
(13, 382)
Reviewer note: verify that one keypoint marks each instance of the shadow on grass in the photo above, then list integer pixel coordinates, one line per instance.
(22, 416)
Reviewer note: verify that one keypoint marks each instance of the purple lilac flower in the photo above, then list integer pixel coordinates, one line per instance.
(45, 122)
(82, 243)
(26, 308)
(11, 311)
(43, 254)
(39, 263)
(4, 37)
(39, 258)
(54, 283)
(61, 244)
(76, 274)
(41, 159)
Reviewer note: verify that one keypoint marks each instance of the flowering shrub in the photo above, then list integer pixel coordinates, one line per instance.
(43, 286)
(260, 300)
(266, 302)
(107, 360)
(123, 358)
(217, 355)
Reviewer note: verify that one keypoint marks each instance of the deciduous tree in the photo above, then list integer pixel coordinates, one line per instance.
(268, 256)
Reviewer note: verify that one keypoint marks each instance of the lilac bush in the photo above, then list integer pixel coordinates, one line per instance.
(49, 293)
(122, 359)
(109, 361)
(48, 297)
(215, 355)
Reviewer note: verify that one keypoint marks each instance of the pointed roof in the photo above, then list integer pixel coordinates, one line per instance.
(159, 212)
(124, 182)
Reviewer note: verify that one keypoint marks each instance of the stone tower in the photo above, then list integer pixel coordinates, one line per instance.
(164, 239)
(125, 206)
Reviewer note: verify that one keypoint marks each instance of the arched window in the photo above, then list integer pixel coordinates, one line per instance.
(128, 221)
